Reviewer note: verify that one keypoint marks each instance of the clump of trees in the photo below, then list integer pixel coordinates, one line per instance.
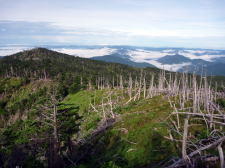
(45, 136)
(62, 122)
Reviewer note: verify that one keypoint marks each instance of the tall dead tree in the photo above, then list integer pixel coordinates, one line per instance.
(49, 114)
(130, 86)
(144, 87)
(121, 82)
(199, 98)
(151, 85)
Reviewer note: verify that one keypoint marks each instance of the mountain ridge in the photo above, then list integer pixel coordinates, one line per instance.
(55, 106)
(162, 58)
(173, 59)
(41, 62)
(122, 60)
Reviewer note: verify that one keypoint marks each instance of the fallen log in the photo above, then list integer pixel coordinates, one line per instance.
(182, 162)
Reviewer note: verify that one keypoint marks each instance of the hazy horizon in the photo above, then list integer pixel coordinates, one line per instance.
(174, 23)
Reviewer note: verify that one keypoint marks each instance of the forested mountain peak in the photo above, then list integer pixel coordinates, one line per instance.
(40, 61)
(36, 54)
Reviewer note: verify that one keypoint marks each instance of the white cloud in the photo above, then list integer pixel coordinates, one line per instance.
(5, 51)
(87, 53)
(169, 67)
(141, 55)
(152, 56)
(144, 19)
(207, 57)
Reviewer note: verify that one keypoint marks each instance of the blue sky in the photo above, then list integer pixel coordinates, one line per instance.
(161, 23)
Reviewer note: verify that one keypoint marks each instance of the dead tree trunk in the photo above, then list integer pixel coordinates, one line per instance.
(121, 82)
(144, 87)
(220, 150)
(184, 141)
(130, 86)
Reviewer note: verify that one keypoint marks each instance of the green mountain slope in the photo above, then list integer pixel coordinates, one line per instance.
(40, 62)
(132, 136)
(134, 140)
(58, 110)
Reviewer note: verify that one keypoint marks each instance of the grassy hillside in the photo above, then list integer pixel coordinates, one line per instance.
(58, 110)
(132, 137)
(135, 140)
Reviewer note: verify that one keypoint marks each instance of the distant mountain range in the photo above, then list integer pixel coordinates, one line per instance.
(174, 59)
(117, 58)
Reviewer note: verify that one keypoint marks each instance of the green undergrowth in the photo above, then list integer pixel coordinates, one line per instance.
(24, 99)
(26, 95)
(83, 99)
(136, 140)
(221, 102)
(10, 84)
(91, 118)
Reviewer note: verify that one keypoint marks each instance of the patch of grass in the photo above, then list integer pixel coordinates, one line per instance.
(137, 140)
(83, 99)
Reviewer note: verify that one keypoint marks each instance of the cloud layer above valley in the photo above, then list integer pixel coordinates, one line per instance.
(86, 53)
(135, 54)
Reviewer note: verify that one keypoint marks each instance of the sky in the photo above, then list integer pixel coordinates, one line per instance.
(155, 23)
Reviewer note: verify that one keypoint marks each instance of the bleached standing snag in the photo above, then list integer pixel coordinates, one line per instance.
(184, 141)
(192, 92)
(49, 115)
(221, 155)
(130, 85)
(200, 95)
